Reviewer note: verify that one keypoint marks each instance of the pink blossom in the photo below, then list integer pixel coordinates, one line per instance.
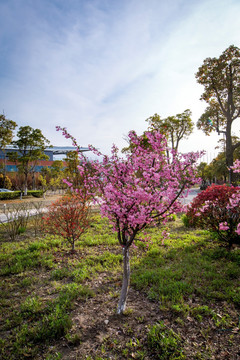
(238, 229)
(236, 166)
(68, 183)
(223, 226)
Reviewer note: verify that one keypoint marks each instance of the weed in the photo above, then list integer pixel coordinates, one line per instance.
(56, 356)
(31, 306)
(73, 339)
(164, 343)
(128, 311)
(180, 309)
(26, 282)
(52, 326)
(21, 230)
(140, 319)
(59, 274)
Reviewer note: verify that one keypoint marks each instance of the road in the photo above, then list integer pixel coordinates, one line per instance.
(192, 193)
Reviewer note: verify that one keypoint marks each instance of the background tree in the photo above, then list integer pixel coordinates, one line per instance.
(56, 168)
(221, 80)
(30, 149)
(174, 128)
(5, 182)
(6, 135)
(71, 170)
(219, 169)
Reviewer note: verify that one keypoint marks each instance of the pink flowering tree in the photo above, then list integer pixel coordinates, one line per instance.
(139, 190)
(236, 166)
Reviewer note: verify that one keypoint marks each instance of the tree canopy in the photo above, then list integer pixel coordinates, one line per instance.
(6, 131)
(30, 147)
(174, 128)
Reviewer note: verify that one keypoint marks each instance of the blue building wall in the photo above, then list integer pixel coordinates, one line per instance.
(49, 153)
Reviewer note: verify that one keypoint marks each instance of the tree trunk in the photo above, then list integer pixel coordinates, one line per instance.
(229, 150)
(126, 281)
(4, 170)
(25, 185)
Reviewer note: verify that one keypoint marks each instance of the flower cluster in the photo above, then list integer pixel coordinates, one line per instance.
(217, 208)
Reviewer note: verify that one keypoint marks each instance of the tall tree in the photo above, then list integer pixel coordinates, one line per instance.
(30, 148)
(6, 135)
(221, 80)
(175, 128)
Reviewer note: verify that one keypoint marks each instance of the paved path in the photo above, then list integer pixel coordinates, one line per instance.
(192, 194)
(31, 212)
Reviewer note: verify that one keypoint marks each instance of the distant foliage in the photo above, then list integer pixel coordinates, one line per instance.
(67, 217)
(217, 209)
(7, 184)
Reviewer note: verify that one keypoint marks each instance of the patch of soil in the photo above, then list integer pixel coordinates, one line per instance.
(98, 332)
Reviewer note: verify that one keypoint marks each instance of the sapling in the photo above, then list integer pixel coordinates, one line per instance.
(136, 191)
(67, 217)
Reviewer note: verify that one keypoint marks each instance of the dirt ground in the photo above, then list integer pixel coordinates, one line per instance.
(105, 335)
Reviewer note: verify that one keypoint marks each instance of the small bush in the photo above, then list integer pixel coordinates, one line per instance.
(185, 220)
(67, 217)
(212, 209)
(16, 219)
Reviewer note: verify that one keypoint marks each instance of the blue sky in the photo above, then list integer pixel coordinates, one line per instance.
(101, 67)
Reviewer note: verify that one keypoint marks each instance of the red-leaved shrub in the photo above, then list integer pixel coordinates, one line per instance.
(213, 209)
(67, 217)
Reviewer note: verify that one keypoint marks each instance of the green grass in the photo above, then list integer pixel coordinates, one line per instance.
(188, 265)
(189, 276)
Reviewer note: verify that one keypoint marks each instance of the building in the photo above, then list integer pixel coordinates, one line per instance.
(54, 153)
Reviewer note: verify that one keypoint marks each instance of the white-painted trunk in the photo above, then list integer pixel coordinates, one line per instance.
(126, 281)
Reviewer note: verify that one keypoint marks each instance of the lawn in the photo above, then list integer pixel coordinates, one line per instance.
(183, 301)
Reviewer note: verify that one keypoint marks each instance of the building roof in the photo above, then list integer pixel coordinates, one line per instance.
(61, 150)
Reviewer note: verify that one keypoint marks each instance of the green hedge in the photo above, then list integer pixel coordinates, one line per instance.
(16, 194)
(9, 195)
(35, 193)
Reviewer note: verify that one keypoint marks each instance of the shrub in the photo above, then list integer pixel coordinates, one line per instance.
(67, 217)
(16, 219)
(36, 220)
(213, 209)
(35, 193)
(9, 195)
(5, 183)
